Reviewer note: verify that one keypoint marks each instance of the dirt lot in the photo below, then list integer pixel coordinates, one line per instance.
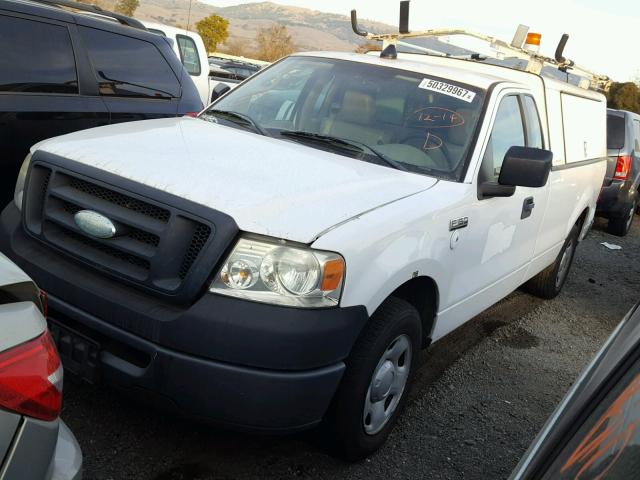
(481, 396)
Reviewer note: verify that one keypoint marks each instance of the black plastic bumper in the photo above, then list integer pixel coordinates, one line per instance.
(615, 199)
(239, 363)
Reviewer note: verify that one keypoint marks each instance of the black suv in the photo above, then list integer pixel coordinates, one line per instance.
(619, 198)
(62, 71)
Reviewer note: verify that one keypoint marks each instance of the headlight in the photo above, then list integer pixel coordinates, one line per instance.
(22, 176)
(265, 270)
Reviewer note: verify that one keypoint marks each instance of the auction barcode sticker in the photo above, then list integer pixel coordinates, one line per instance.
(448, 89)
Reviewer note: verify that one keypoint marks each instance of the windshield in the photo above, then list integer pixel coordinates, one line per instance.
(412, 121)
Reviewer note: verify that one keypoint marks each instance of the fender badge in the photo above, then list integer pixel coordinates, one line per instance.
(458, 223)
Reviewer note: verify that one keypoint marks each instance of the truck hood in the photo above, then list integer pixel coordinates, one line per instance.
(269, 186)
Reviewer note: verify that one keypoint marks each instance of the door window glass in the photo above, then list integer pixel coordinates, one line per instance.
(126, 66)
(508, 131)
(189, 55)
(36, 57)
(534, 130)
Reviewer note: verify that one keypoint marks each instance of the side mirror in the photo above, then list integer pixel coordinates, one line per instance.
(522, 167)
(526, 167)
(219, 90)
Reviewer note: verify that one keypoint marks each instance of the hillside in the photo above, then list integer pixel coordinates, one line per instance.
(310, 30)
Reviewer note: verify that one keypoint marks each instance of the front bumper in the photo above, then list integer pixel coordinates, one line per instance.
(243, 364)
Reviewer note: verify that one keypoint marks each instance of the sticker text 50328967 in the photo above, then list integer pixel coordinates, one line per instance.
(448, 89)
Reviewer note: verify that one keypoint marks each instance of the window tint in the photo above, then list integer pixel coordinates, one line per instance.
(36, 57)
(126, 66)
(507, 132)
(615, 132)
(189, 54)
(534, 130)
(606, 446)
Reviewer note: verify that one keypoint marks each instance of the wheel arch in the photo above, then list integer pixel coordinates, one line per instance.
(584, 221)
(421, 292)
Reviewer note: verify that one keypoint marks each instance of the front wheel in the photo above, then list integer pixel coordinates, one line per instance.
(549, 282)
(376, 382)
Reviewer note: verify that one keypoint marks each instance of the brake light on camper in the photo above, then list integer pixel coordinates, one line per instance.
(623, 167)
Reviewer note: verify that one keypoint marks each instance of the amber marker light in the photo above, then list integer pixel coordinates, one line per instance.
(332, 275)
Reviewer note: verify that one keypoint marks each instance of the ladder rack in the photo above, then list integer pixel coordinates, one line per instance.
(535, 61)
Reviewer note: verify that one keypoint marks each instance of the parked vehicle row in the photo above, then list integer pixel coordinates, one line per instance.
(378, 204)
(277, 263)
(231, 71)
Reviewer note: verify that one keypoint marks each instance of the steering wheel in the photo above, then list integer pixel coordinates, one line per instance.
(418, 141)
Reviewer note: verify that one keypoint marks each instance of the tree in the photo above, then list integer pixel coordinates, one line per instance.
(127, 7)
(214, 30)
(624, 96)
(236, 47)
(274, 43)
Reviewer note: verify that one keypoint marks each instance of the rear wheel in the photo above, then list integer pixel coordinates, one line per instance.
(376, 382)
(620, 226)
(549, 282)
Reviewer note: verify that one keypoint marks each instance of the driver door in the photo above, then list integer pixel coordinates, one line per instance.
(496, 248)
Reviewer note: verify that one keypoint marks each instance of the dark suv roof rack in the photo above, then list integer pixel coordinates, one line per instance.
(123, 19)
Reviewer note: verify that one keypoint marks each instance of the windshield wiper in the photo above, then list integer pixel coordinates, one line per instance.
(238, 118)
(343, 143)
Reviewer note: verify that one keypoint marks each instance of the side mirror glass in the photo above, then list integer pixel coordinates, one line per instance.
(219, 90)
(526, 167)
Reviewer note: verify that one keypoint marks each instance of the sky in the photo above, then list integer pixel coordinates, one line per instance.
(603, 34)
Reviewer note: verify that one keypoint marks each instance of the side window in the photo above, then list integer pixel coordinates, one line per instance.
(636, 136)
(189, 55)
(507, 132)
(36, 57)
(615, 131)
(126, 66)
(534, 129)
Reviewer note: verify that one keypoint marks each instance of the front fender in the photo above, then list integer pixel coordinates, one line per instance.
(389, 246)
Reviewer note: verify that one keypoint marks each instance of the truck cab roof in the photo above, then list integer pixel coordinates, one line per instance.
(477, 74)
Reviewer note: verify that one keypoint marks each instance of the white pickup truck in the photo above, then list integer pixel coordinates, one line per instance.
(280, 261)
(210, 80)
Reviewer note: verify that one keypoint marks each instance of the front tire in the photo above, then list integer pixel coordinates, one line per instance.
(376, 383)
(549, 282)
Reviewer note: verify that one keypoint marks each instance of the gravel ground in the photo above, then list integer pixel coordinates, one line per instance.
(481, 395)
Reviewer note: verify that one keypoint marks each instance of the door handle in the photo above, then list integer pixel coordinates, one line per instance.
(527, 207)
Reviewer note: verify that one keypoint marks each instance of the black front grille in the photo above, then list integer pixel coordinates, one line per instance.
(156, 245)
(116, 198)
(198, 241)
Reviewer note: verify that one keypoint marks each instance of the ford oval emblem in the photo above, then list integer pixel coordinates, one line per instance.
(94, 224)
